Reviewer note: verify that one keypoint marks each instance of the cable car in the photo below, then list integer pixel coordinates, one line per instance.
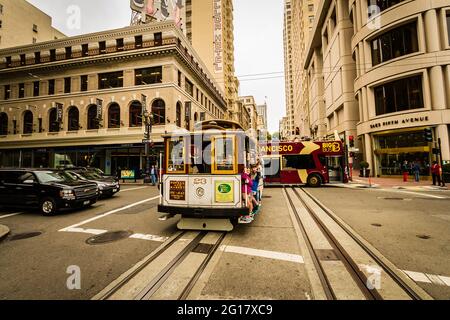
(201, 180)
(308, 162)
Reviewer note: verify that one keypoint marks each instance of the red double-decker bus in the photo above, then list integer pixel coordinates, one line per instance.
(307, 162)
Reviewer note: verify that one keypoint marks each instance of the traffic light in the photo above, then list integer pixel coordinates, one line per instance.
(428, 135)
(351, 140)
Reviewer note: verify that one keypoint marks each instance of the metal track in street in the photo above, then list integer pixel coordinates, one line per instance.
(153, 285)
(351, 266)
(392, 273)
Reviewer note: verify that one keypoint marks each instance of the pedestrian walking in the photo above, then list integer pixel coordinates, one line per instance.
(436, 173)
(405, 171)
(416, 170)
(153, 175)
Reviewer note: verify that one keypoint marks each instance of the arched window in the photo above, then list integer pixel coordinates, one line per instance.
(114, 116)
(136, 114)
(74, 119)
(28, 122)
(179, 107)
(53, 124)
(195, 117)
(3, 124)
(92, 121)
(159, 112)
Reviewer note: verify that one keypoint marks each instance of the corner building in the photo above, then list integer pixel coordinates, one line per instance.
(403, 80)
(117, 67)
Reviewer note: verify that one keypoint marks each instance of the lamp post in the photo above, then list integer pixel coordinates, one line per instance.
(148, 119)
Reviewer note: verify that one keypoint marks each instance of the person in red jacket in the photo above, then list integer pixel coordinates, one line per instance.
(436, 173)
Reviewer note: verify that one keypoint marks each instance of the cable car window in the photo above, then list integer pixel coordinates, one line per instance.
(298, 162)
(271, 166)
(224, 155)
(175, 159)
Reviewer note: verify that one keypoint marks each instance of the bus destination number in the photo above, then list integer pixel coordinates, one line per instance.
(331, 147)
(177, 190)
(200, 181)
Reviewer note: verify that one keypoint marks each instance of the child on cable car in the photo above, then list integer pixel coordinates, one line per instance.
(247, 195)
(256, 176)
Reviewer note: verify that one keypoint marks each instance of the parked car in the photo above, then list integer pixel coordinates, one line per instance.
(46, 189)
(107, 186)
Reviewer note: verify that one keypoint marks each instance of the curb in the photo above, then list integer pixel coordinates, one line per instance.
(4, 231)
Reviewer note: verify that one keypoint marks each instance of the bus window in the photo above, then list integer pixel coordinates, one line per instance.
(224, 155)
(271, 167)
(175, 159)
(297, 162)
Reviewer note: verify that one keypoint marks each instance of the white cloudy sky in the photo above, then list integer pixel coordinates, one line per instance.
(258, 41)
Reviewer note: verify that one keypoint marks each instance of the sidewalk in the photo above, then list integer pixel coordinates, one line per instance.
(396, 183)
(4, 230)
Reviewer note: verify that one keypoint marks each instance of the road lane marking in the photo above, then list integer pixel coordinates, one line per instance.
(422, 194)
(10, 215)
(109, 213)
(88, 231)
(428, 278)
(264, 254)
(148, 237)
(132, 189)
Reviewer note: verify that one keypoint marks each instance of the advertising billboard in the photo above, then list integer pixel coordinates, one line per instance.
(161, 10)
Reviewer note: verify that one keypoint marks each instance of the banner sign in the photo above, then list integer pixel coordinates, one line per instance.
(127, 174)
(224, 192)
(177, 191)
(99, 109)
(59, 112)
(187, 109)
(137, 5)
(218, 49)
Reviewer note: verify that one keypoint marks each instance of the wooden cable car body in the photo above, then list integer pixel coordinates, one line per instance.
(201, 178)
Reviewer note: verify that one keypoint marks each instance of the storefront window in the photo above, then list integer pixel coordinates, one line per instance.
(175, 156)
(394, 149)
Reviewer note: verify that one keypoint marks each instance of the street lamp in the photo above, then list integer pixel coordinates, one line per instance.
(148, 119)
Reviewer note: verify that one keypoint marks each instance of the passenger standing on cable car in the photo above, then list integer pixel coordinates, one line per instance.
(247, 195)
(261, 182)
(255, 179)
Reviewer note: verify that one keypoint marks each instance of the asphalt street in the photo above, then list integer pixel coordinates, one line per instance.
(263, 260)
(410, 228)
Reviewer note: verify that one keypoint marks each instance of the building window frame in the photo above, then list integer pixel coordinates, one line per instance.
(110, 80)
(147, 76)
(28, 123)
(114, 121)
(396, 86)
(84, 83)
(388, 34)
(73, 116)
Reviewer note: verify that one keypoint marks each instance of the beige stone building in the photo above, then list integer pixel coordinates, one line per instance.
(288, 67)
(209, 27)
(116, 66)
(21, 23)
(299, 18)
(379, 72)
(249, 104)
(403, 78)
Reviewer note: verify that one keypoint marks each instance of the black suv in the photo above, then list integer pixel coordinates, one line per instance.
(46, 189)
(107, 186)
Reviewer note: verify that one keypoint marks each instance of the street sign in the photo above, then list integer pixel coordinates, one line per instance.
(147, 141)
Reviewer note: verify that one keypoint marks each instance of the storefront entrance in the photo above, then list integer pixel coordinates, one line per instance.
(393, 149)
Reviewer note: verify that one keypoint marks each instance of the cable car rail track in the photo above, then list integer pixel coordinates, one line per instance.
(165, 271)
(360, 279)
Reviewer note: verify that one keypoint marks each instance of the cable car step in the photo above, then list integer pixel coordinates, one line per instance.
(205, 224)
